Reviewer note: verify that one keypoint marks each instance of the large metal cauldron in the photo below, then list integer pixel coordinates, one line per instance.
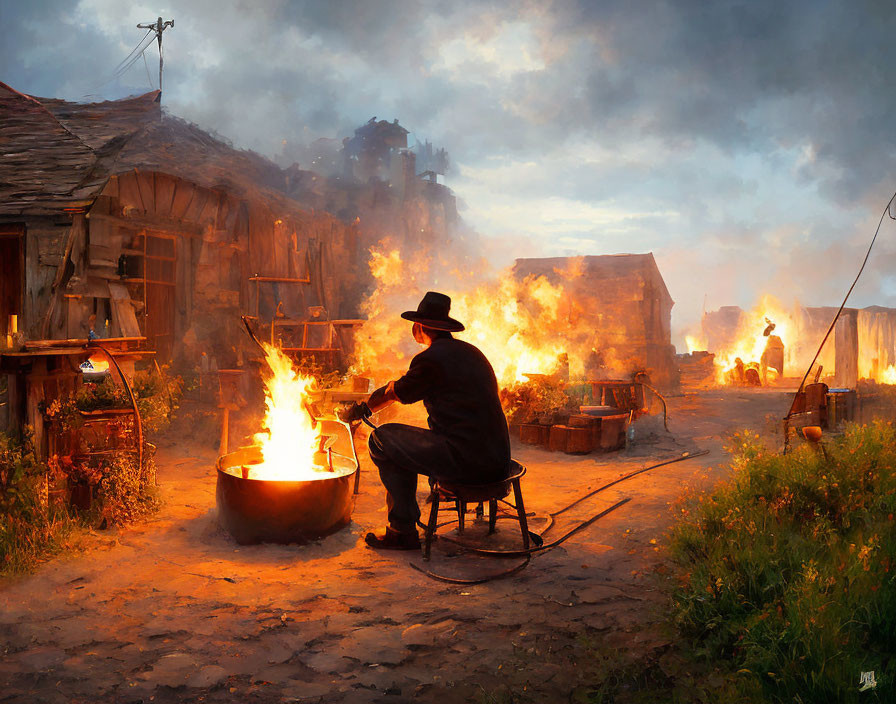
(266, 511)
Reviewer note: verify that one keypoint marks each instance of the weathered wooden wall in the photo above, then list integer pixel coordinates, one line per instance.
(877, 340)
(220, 242)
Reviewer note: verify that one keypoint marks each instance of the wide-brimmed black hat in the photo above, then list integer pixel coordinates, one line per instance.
(433, 313)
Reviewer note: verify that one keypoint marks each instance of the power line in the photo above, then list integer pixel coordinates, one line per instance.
(125, 63)
(120, 72)
(146, 66)
(133, 51)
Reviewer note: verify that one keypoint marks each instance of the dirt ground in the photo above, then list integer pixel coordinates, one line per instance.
(173, 610)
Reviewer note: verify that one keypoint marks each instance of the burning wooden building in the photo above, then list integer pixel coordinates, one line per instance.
(862, 345)
(618, 313)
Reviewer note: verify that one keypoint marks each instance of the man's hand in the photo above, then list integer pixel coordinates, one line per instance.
(354, 413)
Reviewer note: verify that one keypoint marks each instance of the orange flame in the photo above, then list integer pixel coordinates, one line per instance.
(523, 326)
(290, 439)
(694, 344)
(507, 320)
(749, 343)
(382, 344)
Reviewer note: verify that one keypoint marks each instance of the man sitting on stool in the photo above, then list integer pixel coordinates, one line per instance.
(467, 441)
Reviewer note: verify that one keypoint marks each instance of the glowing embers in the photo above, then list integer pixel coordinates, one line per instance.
(291, 445)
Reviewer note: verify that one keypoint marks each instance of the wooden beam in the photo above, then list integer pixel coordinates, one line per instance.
(161, 224)
(279, 280)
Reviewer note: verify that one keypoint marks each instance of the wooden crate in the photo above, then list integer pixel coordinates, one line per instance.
(582, 420)
(557, 440)
(571, 439)
(534, 434)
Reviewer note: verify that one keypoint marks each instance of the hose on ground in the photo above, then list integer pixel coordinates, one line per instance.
(530, 552)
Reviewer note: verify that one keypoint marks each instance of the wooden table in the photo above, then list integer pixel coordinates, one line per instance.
(625, 395)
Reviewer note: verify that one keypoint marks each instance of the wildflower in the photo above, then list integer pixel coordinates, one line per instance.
(809, 571)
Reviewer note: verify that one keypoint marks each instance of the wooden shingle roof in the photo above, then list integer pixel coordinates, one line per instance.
(56, 154)
(41, 162)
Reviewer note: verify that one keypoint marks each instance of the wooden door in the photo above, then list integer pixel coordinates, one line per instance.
(12, 281)
(159, 276)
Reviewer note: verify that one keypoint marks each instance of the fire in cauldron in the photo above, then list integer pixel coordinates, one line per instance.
(297, 482)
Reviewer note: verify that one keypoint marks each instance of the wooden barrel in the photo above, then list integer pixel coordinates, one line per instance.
(612, 432)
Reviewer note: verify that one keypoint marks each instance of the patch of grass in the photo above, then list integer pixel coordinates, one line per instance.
(787, 570)
(621, 680)
(125, 494)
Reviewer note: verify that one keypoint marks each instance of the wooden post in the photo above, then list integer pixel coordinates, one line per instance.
(158, 27)
(225, 431)
(846, 350)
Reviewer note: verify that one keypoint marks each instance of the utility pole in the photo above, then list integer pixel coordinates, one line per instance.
(158, 26)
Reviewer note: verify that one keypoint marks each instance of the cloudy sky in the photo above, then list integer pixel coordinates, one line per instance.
(749, 145)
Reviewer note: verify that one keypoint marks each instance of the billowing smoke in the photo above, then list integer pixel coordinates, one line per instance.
(748, 146)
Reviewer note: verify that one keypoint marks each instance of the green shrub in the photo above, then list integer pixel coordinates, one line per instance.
(158, 396)
(30, 526)
(93, 396)
(526, 401)
(787, 569)
(33, 525)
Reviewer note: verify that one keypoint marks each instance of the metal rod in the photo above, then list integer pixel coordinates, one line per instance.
(245, 320)
(133, 398)
(279, 280)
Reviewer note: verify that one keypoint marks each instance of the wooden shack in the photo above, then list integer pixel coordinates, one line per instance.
(122, 222)
(120, 211)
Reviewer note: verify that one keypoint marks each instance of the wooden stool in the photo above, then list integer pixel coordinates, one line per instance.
(462, 494)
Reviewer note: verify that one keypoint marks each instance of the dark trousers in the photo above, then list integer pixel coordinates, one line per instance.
(401, 452)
